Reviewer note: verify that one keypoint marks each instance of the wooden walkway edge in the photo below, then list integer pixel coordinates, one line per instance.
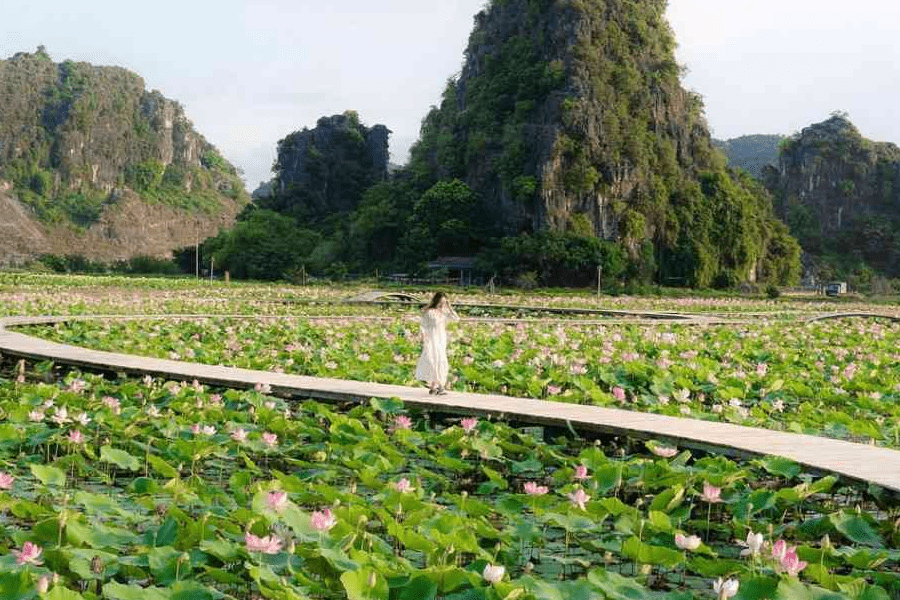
(857, 462)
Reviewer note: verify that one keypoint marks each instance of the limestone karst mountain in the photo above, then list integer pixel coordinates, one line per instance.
(840, 194)
(91, 163)
(569, 114)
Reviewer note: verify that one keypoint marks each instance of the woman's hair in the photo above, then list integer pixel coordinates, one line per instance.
(436, 300)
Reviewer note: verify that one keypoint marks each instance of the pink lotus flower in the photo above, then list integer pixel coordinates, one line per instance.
(711, 493)
(468, 424)
(762, 369)
(493, 573)
(578, 498)
(690, 542)
(581, 473)
(263, 388)
(239, 435)
(30, 553)
(553, 390)
(6, 480)
(76, 437)
(112, 404)
(402, 422)
(270, 439)
(664, 451)
(322, 520)
(533, 489)
(43, 584)
(779, 549)
(195, 428)
(36, 416)
(791, 563)
(277, 500)
(403, 486)
(266, 545)
(618, 393)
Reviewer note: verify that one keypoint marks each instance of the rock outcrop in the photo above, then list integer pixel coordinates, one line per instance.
(324, 170)
(570, 112)
(840, 194)
(97, 165)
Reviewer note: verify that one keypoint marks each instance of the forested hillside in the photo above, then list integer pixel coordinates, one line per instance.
(566, 143)
(91, 163)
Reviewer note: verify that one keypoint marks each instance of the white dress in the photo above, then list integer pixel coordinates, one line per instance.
(433, 365)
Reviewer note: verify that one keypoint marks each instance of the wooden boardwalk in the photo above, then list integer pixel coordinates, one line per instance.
(858, 462)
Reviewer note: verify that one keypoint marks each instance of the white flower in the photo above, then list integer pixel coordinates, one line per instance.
(753, 545)
(493, 573)
(725, 589)
(689, 542)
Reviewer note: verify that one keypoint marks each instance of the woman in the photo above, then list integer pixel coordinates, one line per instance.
(433, 365)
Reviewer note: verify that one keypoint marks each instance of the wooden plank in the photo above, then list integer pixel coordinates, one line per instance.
(859, 462)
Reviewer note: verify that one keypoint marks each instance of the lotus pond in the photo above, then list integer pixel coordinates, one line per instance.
(146, 489)
(838, 378)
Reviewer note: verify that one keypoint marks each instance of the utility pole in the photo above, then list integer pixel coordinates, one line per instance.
(197, 251)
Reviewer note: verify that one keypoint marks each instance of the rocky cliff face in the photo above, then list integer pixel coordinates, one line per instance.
(324, 170)
(840, 193)
(570, 112)
(85, 149)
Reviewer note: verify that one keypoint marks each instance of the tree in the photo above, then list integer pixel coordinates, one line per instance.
(265, 245)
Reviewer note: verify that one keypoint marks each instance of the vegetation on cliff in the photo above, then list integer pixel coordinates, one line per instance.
(565, 144)
(568, 117)
(753, 153)
(76, 138)
(839, 193)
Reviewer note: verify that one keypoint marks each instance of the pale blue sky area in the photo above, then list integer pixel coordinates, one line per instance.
(249, 73)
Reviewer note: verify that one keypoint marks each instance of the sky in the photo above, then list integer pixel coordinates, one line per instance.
(249, 73)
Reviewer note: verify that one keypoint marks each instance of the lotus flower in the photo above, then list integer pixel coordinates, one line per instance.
(469, 424)
(60, 416)
(402, 422)
(36, 416)
(779, 549)
(690, 542)
(533, 489)
(266, 545)
(239, 435)
(493, 573)
(618, 393)
(791, 563)
(581, 473)
(403, 486)
(322, 520)
(270, 439)
(263, 388)
(753, 545)
(6, 480)
(664, 451)
(711, 493)
(76, 437)
(578, 498)
(725, 589)
(30, 553)
(277, 500)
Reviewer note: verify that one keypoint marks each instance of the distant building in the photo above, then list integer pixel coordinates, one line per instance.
(835, 288)
(458, 268)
